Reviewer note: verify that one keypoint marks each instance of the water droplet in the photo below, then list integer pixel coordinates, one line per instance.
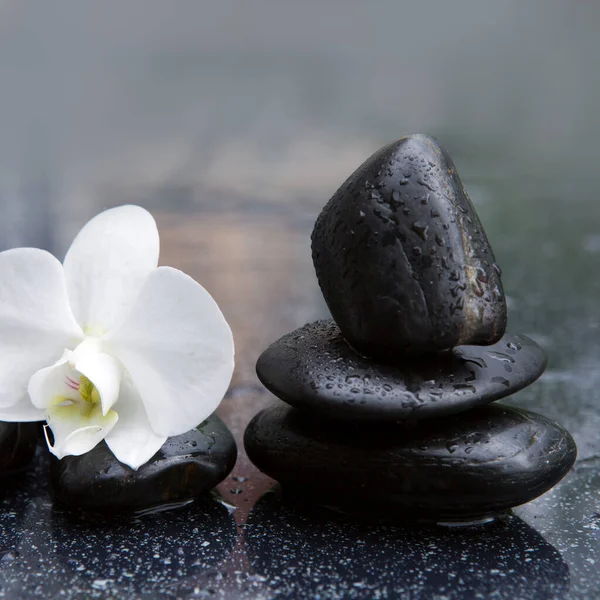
(481, 275)
(421, 229)
(478, 361)
(501, 356)
(9, 556)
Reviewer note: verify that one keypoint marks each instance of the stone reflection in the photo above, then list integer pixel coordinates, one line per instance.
(176, 551)
(13, 508)
(306, 553)
(47, 551)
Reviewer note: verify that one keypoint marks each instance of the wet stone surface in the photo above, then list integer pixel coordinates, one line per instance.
(464, 466)
(314, 369)
(17, 446)
(186, 467)
(402, 259)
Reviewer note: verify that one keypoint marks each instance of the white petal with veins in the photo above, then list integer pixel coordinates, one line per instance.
(178, 349)
(52, 385)
(107, 265)
(105, 372)
(36, 323)
(133, 442)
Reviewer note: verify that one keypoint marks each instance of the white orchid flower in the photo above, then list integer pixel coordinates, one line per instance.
(109, 346)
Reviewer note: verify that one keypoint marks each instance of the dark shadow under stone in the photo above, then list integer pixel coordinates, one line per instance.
(469, 466)
(17, 446)
(310, 554)
(314, 369)
(184, 468)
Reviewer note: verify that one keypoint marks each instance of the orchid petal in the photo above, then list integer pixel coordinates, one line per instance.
(21, 412)
(107, 265)
(105, 373)
(53, 385)
(36, 322)
(132, 440)
(178, 349)
(76, 429)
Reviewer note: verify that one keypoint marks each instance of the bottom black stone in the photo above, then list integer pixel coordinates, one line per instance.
(184, 468)
(466, 466)
(17, 446)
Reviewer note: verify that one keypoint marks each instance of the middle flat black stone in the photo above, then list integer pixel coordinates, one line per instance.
(486, 460)
(314, 369)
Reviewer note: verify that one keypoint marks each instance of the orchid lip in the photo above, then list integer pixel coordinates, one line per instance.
(74, 385)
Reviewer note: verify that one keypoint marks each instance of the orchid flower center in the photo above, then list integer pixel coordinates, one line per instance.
(86, 389)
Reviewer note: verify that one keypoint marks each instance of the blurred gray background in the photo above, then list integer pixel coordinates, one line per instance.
(243, 105)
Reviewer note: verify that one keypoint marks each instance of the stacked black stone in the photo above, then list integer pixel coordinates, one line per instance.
(390, 401)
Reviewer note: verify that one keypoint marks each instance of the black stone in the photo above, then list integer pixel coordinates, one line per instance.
(17, 446)
(402, 259)
(184, 468)
(314, 369)
(471, 465)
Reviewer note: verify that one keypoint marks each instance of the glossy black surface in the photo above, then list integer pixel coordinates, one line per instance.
(402, 259)
(306, 554)
(186, 467)
(466, 466)
(17, 446)
(314, 369)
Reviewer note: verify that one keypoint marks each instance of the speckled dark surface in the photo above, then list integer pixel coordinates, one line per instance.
(313, 555)
(314, 369)
(49, 552)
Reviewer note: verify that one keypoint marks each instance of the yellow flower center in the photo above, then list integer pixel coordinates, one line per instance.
(88, 391)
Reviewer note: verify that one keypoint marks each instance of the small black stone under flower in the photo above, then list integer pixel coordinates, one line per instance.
(185, 468)
(388, 398)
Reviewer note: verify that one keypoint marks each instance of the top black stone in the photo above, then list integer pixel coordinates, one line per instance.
(402, 259)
